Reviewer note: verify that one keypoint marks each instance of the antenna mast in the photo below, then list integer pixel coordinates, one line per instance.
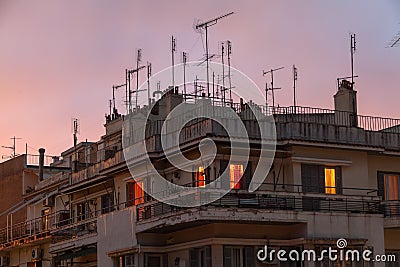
(272, 89)
(205, 26)
(223, 71)
(352, 51)
(138, 60)
(13, 147)
(294, 85)
(184, 59)
(75, 125)
(173, 49)
(229, 69)
(148, 82)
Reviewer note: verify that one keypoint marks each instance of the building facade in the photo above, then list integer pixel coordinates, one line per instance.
(335, 174)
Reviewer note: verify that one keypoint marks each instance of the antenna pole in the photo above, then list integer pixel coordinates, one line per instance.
(352, 51)
(208, 78)
(272, 89)
(229, 69)
(294, 85)
(205, 25)
(173, 49)
(223, 70)
(148, 82)
(127, 89)
(138, 60)
(184, 58)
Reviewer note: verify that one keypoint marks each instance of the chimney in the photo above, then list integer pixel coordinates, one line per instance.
(346, 100)
(41, 163)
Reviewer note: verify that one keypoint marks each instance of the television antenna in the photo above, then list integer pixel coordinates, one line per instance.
(205, 26)
(173, 50)
(272, 89)
(148, 82)
(75, 130)
(184, 61)
(129, 73)
(13, 148)
(116, 87)
(294, 84)
(352, 52)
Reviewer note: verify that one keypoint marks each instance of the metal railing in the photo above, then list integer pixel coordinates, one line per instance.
(271, 202)
(38, 227)
(391, 208)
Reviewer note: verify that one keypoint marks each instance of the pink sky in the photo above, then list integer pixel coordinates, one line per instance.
(59, 59)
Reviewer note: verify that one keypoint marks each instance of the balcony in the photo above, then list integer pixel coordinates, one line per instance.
(282, 204)
(99, 168)
(31, 230)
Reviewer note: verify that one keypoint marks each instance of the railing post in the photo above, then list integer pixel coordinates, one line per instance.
(11, 223)
(8, 234)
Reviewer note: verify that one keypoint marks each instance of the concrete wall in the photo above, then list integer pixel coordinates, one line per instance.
(23, 255)
(116, 231)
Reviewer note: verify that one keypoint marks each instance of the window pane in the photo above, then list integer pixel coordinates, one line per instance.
(139, 193)
(391, 187)
(330, 181)
(200, 177)
(236, 173)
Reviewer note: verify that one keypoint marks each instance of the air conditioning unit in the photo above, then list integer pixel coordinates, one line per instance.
(48, 202)
(36, 253)
(4, 260)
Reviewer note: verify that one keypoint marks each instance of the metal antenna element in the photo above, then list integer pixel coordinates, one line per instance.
(205, 25)
(115, 87)
(352, 51)
(13, 148)
(184, 61)
(148, 82)
(75, 130)
(294, 84)
(229, 70)
(223, 71)
(173, 50)
(129, 77)
(272, 89)
(138, 60)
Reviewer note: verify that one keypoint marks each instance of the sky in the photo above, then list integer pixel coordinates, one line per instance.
(59, 59)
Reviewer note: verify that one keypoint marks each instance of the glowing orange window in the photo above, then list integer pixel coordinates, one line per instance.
(235, 173)
(200, 177)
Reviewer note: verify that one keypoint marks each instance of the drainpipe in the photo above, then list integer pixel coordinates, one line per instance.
(41, 163)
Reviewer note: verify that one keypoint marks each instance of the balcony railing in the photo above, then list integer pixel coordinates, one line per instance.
(274, 201)
(97, 168)
(391, 208)
(35, 228)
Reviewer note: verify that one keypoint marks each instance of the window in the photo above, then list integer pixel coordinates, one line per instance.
(321, 179)
(236, 256)
(231, 174)
(392, 189)
(107, 203)
(135, 194)
(126, 261)
(235, 175)
(330, 181)
(200, 177)
(389, 190)
(200, 257)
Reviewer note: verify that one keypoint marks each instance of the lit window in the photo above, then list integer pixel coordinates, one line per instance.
(139, 193)
(392, 186)
(200, 177)
(235, 174)
(330, 181)
(134, 193)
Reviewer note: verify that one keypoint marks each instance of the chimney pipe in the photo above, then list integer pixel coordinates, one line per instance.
(41, 163)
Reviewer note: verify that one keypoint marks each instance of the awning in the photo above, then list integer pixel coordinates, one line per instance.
(75, 254)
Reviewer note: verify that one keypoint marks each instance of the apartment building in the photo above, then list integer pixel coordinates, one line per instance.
(335, 174)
